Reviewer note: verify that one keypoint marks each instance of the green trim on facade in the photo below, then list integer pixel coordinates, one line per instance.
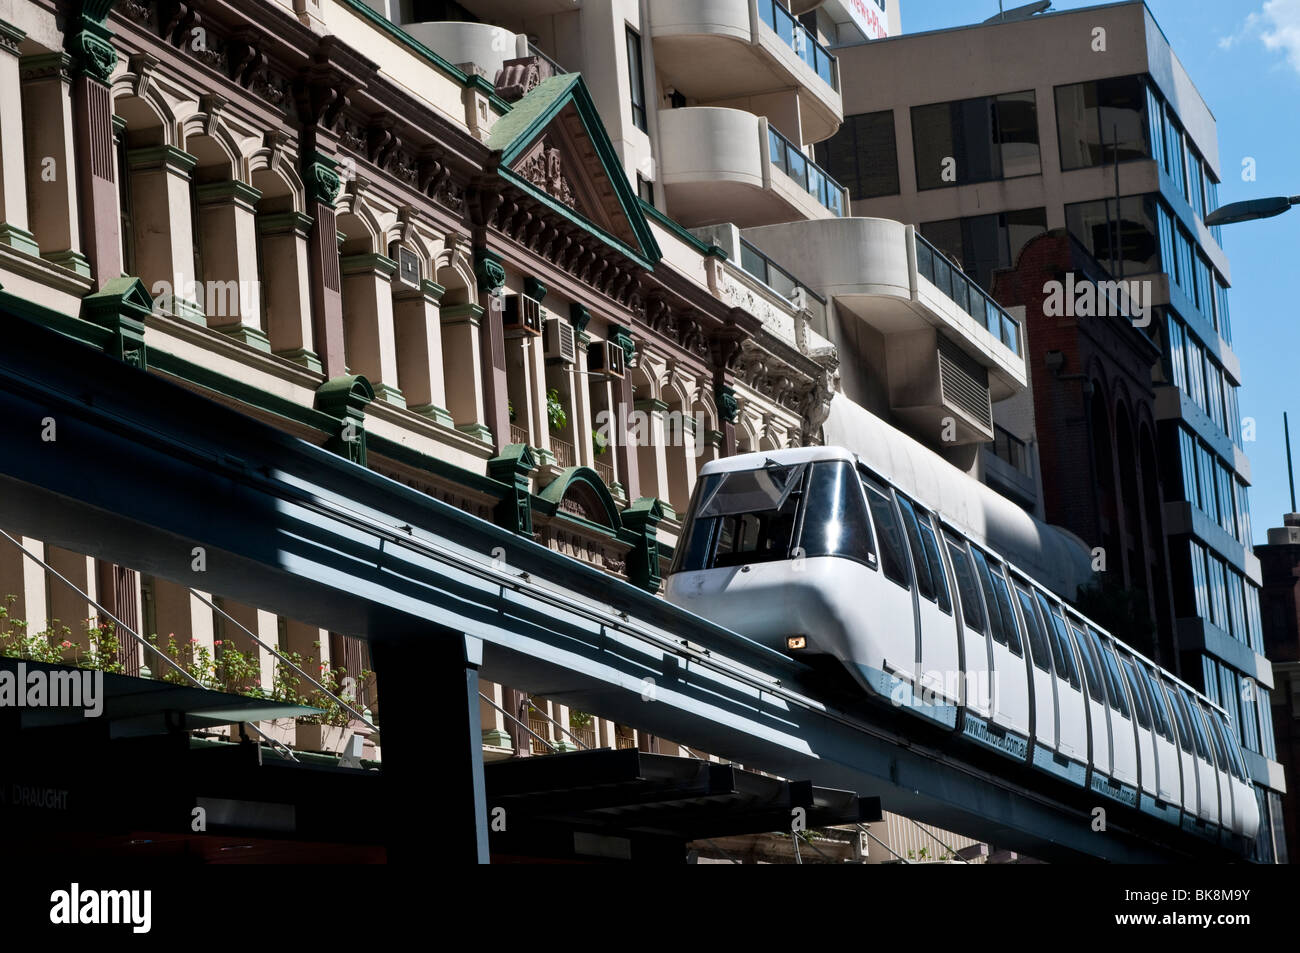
(346, 399)
(555, 491)
(122, 306)
(517, 130)
(231, 190)
(415, 46)
(390, 395)
(643, 518)
(246, 334)
(303, 357)
(381, 265)
(480, 432)
(276, 223)
(73, 261)
(176, 160)
(703, 247)
(651, 404)
(439, 415)
(11, 34)
(19, 239)
(514, 468)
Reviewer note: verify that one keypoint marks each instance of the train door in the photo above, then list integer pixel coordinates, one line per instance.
(1072, 720)
(893, 599)
(976, 660)
(1143, 729)
(1191, 774)
(937, 660)
(1098, 714)
(1012, 671)
(1169, 788)
(1124, 766)
(1044, 691)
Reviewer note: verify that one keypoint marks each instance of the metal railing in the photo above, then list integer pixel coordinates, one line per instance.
(934, 266)
(556, 68)
(814, 180)
(800, 39)
(518, 434)
(605, 470)
(564, 452)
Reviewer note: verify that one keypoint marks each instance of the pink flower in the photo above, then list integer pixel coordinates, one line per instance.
(193, 640)
(218, 642)
(67, 644)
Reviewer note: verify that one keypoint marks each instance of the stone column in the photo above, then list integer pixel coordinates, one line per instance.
(535, 381)
(652, 460)
(261, 623)
(370, 342)
(94, 60)
(232, 300)
(324, 279)
(419, 349)
(163, 227)
(15, 229)
(178, 613)
(69, 609)
(23, 579)
(625, 455)
(286, 286)
(491, 277)
(463, 381)
(51, 160)
(583, 425)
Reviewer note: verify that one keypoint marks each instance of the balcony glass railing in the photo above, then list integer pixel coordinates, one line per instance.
(800, 39)
(771, 274)
(814, 180)
(970, 297)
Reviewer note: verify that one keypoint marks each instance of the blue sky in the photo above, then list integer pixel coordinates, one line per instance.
(1244, 56)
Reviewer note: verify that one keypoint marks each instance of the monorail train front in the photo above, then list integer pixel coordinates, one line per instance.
(777, 547)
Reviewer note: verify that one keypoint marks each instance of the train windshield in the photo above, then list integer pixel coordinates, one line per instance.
(752, 516)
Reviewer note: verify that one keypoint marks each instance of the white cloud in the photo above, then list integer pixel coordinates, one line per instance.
(1277, 26)
(1281, 29)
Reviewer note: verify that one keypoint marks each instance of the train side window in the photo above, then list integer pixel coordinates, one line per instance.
(1216, 736)
(1062, 657)
(1230, 742)
(920, 564)
(1114, 689)
(1139, 702)
(1091, 664)
(693, 553)
(1198, 730)
(997, 625)
(835, 520)
(1003, 594)
(1180, 716)
(972, 611)
(1034, 628)
(893, 551)
(1159, 706)
(925, 550)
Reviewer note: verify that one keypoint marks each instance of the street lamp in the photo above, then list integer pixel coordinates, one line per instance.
(1249, 211)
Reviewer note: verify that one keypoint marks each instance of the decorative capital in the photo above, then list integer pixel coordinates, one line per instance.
(623, 338)
(322, 179)
(92, 52)
(579, 317)
(489, 270)
(534, 288)
(728, 408)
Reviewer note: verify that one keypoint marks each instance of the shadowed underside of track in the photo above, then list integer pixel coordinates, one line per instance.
(142, 471)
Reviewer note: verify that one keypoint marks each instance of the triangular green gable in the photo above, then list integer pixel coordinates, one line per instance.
(519, 128)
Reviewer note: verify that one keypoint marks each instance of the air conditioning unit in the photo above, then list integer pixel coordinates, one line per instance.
(606, 357)
(560, 343)
(523, 315)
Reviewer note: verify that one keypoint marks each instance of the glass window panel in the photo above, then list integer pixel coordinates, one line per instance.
(835, 519)
(893, 552)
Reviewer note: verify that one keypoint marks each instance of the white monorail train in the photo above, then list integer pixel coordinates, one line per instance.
(810, 552)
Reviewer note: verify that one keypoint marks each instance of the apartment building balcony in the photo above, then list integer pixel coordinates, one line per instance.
(945, 348)
(470, 45)
(721, 50)
(729, 165)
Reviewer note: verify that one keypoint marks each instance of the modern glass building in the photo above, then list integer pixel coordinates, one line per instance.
(1092, 126)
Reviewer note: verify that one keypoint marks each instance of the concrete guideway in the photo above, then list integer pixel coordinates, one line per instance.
(142, 471)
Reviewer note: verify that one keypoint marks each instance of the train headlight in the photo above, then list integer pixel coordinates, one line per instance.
(795, 642)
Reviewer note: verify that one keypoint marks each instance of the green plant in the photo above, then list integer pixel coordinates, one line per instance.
(555, 412)
(579, 719)
(598, 442)
(510, 409)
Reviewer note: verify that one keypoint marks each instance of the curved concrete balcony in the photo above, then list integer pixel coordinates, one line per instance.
(728, 165)
(737, 50)
(948, 349)
(478, 44)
